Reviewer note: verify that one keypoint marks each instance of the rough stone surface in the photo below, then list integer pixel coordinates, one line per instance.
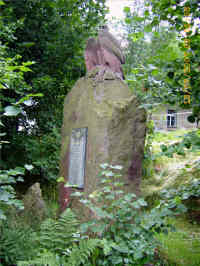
(116, 130)
(105, 51)
(34, 203)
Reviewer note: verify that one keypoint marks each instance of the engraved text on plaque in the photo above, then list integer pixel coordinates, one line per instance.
(77, 157)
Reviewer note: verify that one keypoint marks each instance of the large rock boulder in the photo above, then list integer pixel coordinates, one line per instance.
(116, 130)
(34, 205)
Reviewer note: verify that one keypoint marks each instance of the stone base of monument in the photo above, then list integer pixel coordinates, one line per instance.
(101, 124)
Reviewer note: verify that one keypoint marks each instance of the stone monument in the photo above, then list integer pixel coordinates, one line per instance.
(105, 52)
(101, 124)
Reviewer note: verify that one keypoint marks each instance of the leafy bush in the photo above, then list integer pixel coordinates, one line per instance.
(43, 152)
(189, 194)
(190, 142)
(184, 192)
(123, 221)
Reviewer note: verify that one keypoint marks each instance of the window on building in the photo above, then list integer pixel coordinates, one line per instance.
(171, 119)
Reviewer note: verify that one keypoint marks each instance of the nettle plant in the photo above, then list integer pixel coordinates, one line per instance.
(123, 221)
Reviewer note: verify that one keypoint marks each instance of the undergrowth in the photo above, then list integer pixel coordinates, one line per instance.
(181, 248)
(177, 176)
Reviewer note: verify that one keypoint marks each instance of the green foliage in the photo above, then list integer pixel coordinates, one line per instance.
(57, 236)
(79, 255)
(81, 252)
(188, 194)
(42, 54)
(180, 248)
(148, 169)
(46, 258)
(190, 142)
(123, 221)
(11, 81)
(43, 152)
(7, 192)
(163, 70)
(184, 192)
(151, 51)
(16, 243)
(59, 243)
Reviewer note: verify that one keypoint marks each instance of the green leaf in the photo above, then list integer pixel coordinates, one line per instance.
(1, 124)
(155, 72)
(148, 28)
(128, 20)
(127, 9)
(27, 44)
(156, 34)
(99, 228)
(121, 248)
(142, 202)
(77, 194)
(25, 69)
(27, 98)
(84, 227)
(139, 19)
(129, 196)
(107, 246)
(2, 216)
(29, 167)
(185, 196)
(12, 110)
(118, 167)
(5, 196)
(163, 147)
(16, 171)
(61, 179)
(104, 166)
(136, 205)
(67, 184)
(108, 173)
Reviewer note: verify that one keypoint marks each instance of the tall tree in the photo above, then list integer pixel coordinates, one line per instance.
(52, 34)
(178, 60)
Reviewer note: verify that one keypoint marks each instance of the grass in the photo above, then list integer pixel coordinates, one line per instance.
(181, 248)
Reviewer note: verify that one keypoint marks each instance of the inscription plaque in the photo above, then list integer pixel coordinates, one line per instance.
(77, 157)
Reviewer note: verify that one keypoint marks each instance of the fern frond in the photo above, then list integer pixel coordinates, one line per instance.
(56, 236)
(16, 243)
(45, 259)
(57, 239)
(81, 253)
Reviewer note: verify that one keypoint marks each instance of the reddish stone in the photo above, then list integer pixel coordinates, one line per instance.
(96, 55)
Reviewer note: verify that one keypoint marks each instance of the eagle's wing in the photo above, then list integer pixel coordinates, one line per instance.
(91, 56)
(107, 41)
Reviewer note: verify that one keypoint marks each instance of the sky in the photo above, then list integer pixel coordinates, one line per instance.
(116, 7)
(116, 10)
